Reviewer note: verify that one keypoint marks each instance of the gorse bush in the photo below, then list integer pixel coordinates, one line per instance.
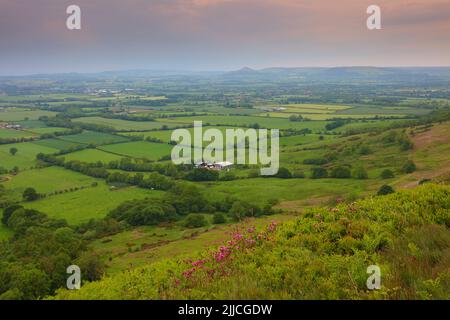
(324, 254)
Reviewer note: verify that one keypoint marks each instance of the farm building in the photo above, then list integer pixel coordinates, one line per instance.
(214, 166)
(223, 165)
(10, 126)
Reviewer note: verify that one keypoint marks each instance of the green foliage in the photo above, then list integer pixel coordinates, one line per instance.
(360, 173)
(219, 218)
(409, 167)
(315, 161)
(144, 212)
(335, 125)
(364, 150)
(35, 259)
(340, 173)
(387, 174)
(283, 173)
(202, 174)
(242, 209)
(186, 199)
(385, 189)
(319, 173)
(324, 254)
(30, 194)
(13, 151)
(195, 220)
(91, 265)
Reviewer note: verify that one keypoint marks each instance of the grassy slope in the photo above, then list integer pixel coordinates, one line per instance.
(264, 122)
(14, 134)
(25, 157)
(143, 245)
(139, 149)
(46, 180)
(94, 202)
(323, 254)
(91, 155)
(119, 124)
(5, 233)
(23, 115)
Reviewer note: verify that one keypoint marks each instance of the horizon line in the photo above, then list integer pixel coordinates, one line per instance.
(214, 70)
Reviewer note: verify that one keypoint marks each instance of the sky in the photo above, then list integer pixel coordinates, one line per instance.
(215, 35)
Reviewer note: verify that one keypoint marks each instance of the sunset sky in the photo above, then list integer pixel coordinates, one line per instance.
(220, 34)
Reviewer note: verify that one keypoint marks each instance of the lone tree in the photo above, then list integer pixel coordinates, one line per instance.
(30, 194)
(13, 151)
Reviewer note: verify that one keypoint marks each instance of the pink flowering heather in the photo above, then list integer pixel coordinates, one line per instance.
(241, 241)
(199, 263)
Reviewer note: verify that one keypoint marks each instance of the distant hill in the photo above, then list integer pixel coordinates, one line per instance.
(342, 73)
(267, 74)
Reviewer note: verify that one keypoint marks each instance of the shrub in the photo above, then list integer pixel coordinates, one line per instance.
(360, 173)
(144, 212)
(92, 266)
(284, 173)
(409, 167)
(385, 189)
(242, 209)
(405, 144)
(219, 218)
(340, 173)
(228, 176)
(319, 173)
(195, 220)
(202, 174)
(30, 194)
(8, 212)
(387, 174)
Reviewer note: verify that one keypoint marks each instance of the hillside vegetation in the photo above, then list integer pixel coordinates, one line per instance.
(322, 254)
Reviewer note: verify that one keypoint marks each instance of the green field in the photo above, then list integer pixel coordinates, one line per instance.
(264, 122)
(263, 189)
(329, 116)
(91, 155)
(45, 181)
(97, 138)
(24, 115)
(32, 124)
(95, 202)
(25, 157)
(14, 134)
(139, 149)
(303, 139)
(327, 198)
(56, 143)
(43, 130)
(165, 135)
(124, 125)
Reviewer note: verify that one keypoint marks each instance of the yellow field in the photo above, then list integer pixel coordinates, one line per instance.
(325, 116)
